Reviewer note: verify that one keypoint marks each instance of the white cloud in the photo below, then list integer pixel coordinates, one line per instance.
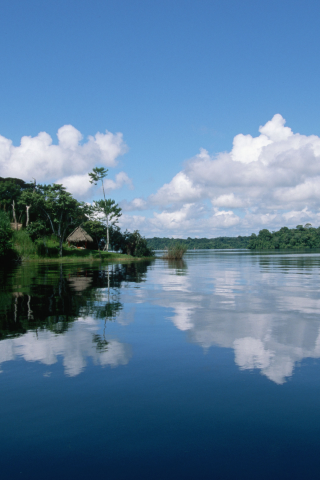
(228, 200)
(80, 186)
(180, 188)
(271, 180)
(135, 204)
(121, 179)
(68, 162)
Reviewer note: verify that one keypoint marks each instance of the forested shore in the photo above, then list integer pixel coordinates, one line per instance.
(157, 243)
(286, 238)
(36, 221)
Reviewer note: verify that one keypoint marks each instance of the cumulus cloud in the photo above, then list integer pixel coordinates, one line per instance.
(269, 180)
(67, 162)
(80, 185)
(135, 204)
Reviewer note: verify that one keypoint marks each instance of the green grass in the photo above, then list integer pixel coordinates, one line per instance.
(23, 244)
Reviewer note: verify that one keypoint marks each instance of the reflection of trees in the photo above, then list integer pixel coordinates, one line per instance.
(286, 262)
(101, 343)
(50, 296)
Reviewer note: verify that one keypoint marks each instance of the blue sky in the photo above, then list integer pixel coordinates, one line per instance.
(173, 77)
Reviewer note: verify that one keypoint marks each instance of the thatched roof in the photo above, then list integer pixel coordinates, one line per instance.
(79, 235)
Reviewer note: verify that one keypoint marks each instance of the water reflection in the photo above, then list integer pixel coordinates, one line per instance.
(264, 307)
(75, 346)
(47, 311)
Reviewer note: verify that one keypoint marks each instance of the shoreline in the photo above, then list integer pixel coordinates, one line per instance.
(85, 259)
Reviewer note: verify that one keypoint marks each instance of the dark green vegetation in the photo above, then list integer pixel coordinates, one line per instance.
(175, 252)
(286, 238)
(44, 215)
(6, 238)
(52, 296)
(157, 243)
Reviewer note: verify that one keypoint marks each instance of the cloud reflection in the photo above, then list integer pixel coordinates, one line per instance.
(261, 312)
(75, 346)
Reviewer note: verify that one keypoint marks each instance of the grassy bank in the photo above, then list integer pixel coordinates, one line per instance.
(47, 250)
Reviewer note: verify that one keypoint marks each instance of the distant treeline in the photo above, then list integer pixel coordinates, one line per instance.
(157, 243)
(286, 238)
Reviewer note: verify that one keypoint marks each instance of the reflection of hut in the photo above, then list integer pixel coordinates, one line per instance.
(79, 284)
(79, 237)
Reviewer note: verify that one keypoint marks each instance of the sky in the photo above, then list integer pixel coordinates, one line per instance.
(206, 113)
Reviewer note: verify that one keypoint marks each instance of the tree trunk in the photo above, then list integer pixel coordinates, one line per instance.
(27, 207)
(107, 235)
(61, 243)
(14, 215)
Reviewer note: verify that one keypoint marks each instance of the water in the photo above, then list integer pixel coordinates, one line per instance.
(203, 368)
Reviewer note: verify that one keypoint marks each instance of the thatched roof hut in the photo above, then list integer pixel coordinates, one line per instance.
(79, 236)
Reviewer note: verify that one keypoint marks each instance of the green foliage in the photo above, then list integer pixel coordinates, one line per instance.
(54, 213)
(24, 244)
(11, 190)
(175, 252)
(130, 243)
(47, 247)
(98, 174)
(157, 243)
(6, 234)
(136, 245)
(286, 238)
(109, 212)
(56, 207)
(38, 229)
(96, 230)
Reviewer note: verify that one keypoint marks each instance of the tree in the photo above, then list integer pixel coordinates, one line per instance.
(57, 207)
(98, 174)
(107, 210)
(10, 194)
(96, 230)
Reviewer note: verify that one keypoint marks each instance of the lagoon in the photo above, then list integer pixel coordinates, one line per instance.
(203, 368)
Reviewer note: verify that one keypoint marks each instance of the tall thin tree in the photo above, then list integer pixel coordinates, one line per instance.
(107, 208)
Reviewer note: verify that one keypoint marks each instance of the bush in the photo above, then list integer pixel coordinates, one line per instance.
(130, 243)
(37, 229)
(6, 235)
(136, 245)
(47, 247)
(175, 252)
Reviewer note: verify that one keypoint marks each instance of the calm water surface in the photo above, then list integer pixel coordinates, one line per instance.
(205, 368)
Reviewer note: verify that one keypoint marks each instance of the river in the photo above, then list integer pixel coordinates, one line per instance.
(195, 369)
